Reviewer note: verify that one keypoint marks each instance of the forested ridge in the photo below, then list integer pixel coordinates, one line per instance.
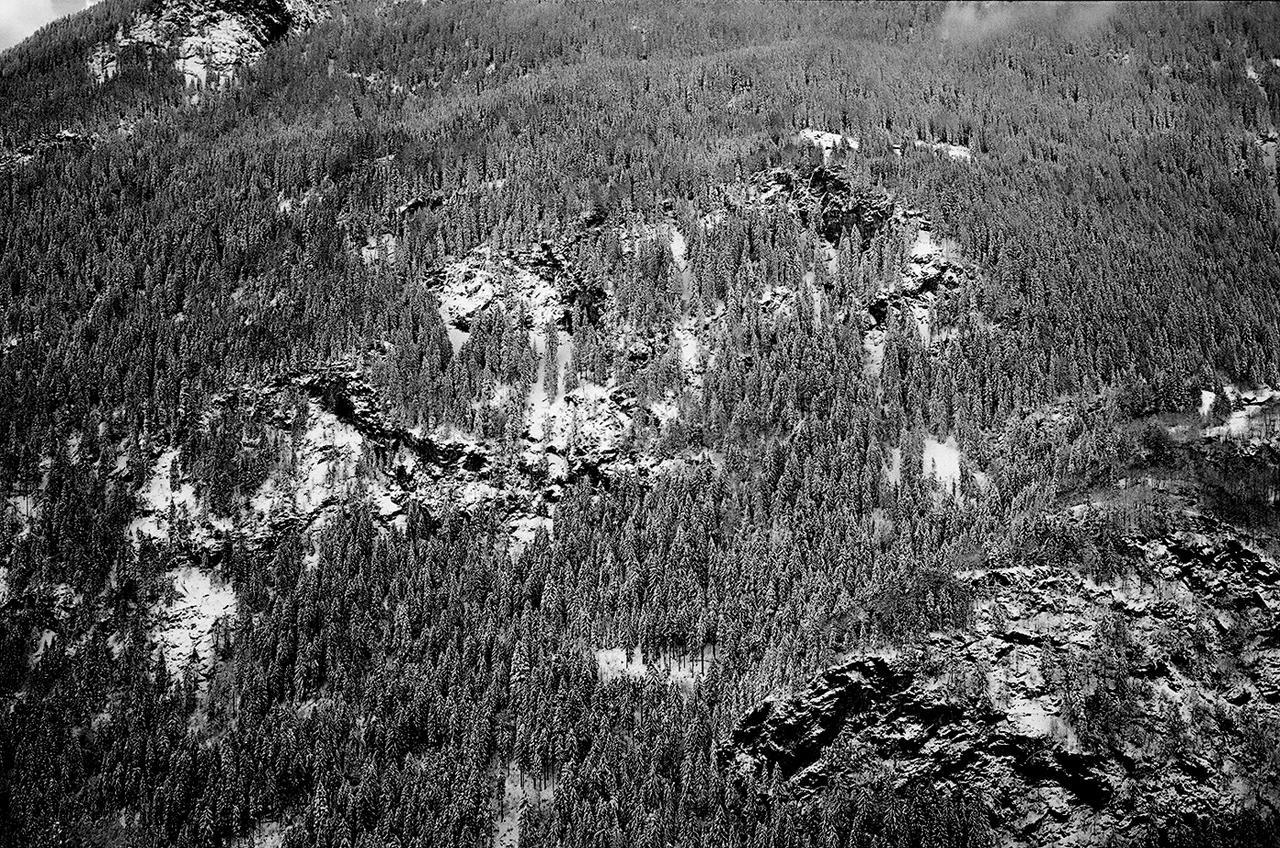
(636, 423)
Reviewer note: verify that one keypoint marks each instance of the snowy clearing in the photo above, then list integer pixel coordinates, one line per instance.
(518, 792)
(942, 461)
(1255, 414)
(624, 663)
(952, 151)
(827, 142)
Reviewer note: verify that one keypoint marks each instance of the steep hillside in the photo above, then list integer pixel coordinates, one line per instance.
(714, 424)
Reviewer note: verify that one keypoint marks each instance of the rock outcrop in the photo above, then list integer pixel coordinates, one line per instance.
(208, 39)
(1077, 708)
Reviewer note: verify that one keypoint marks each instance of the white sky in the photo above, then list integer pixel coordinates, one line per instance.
(20, 18)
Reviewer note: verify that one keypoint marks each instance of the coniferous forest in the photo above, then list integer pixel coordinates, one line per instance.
(668, 424)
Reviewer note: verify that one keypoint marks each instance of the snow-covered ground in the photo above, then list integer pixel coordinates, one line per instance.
(953, 151)
(630, 664)
(827, 142)
(1255, 416)
(942, 462)
(518, 792)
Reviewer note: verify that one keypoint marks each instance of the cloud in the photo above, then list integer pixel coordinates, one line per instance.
(974, 21)
(20, 18)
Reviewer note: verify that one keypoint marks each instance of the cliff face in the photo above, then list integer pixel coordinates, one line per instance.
(1083, 707)
(207, 41)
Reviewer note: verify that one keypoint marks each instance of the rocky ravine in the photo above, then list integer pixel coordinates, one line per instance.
(1079, 709)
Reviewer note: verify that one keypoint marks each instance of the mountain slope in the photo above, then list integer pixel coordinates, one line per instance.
(661, 424)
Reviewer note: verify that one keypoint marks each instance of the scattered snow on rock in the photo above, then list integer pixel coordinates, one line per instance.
(379, 248)
(222, 45)
(466, 287)
(24, 510)
(160, 502)
(208, 43)
(1252, 73)
(102, 63)
(184, 626)
(324, 465)
(1031, 620)
(873, 348)
(929, 273)
(268, 834)
(692, 338)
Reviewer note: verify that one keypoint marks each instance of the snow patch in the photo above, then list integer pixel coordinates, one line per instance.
(1255, 416)
(893, 472)
(43, 641)
(679, 257)
(519, 791)
(827, 142)
(681, 670)
(693, 361)
(952, 151)
(380, 248)
(942, 461)
(160, 503)
(24, 510)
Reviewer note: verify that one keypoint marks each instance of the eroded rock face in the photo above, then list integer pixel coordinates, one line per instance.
(209, 39)
(838, 205)
(931, 274)
(1077, 709)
